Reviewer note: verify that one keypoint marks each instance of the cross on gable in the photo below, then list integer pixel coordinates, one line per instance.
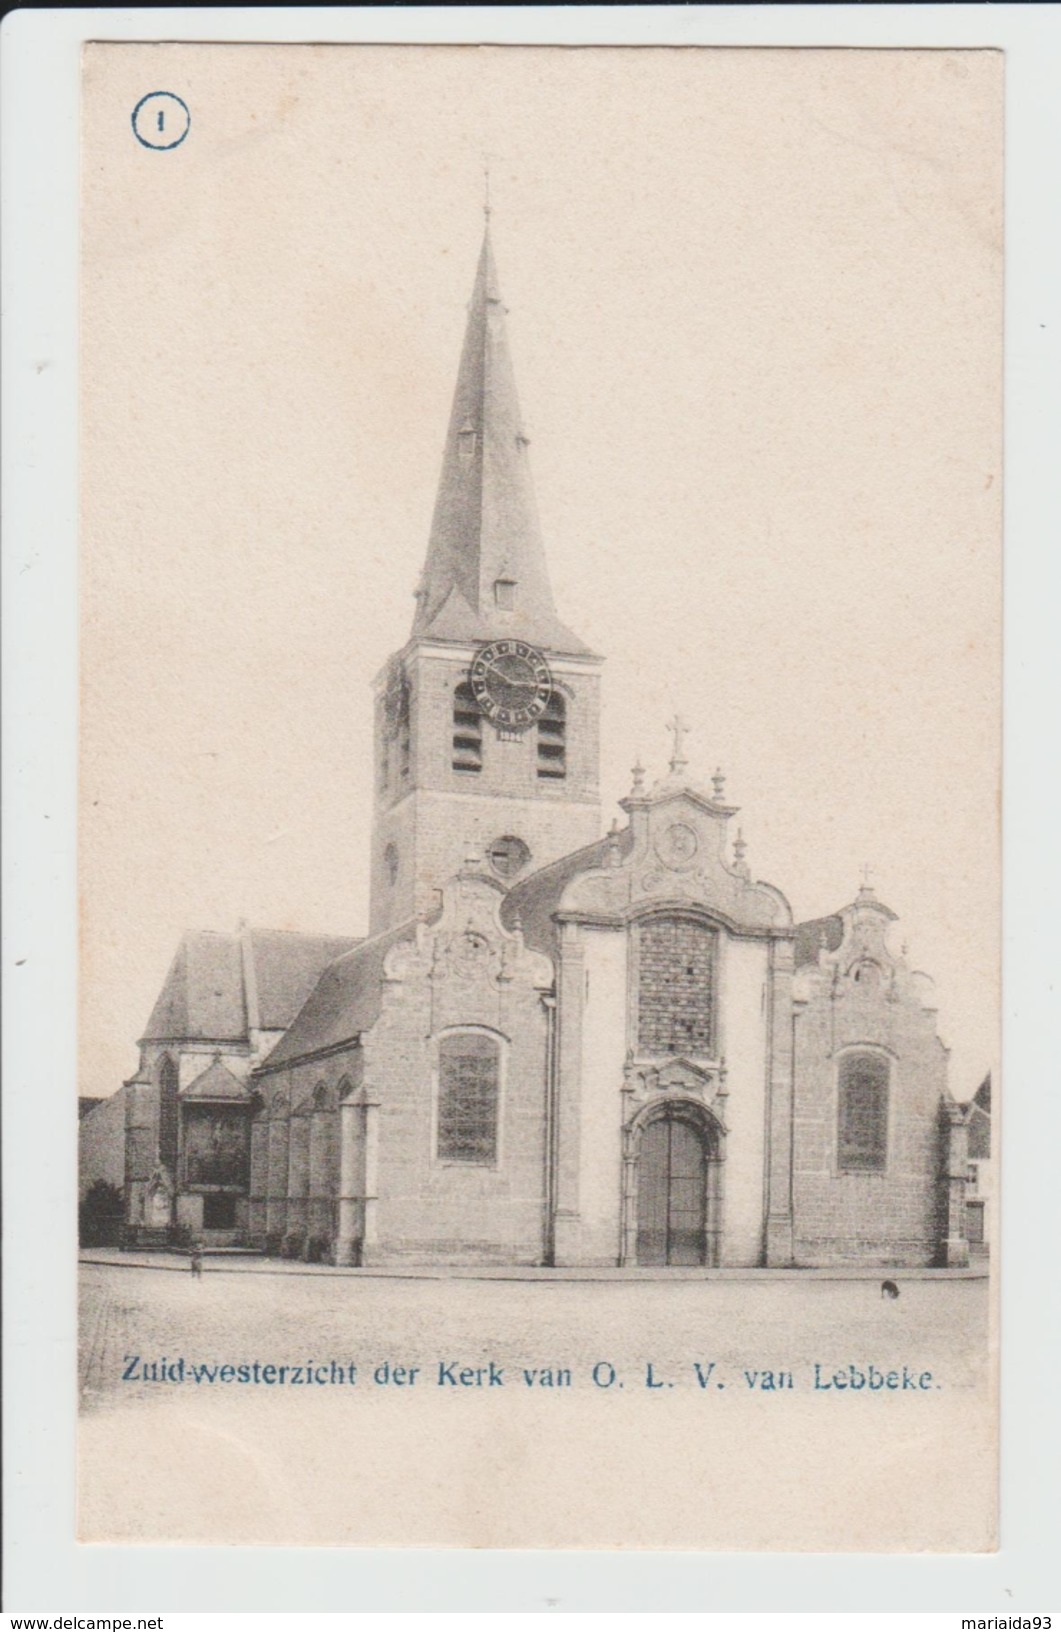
(680, 731)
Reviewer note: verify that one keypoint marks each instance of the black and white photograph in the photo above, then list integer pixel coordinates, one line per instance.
(539, 870)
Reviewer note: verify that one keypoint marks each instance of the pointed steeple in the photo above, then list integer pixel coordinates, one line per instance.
(485, 574)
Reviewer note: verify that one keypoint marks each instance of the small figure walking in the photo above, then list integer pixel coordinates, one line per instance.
(197, 1259)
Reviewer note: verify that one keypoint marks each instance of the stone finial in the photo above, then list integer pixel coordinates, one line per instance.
(614, 854)
(739, 846)
(680, 731)
(718, 782)
(866, 891)
(638, 774)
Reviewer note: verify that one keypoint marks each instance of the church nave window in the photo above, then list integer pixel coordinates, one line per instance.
(168, 1113)
(862, 1134)
(468, 1081)
(467, 730)
(676, 985)
(552, 739)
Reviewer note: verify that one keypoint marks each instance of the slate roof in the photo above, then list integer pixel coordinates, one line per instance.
(204, 994)
(344, 1002)
(485, 524)
(534, 901)
(287, 966)
(809, 934)
(216, 1082)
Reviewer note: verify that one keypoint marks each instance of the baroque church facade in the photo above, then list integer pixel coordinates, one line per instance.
(557, 1045)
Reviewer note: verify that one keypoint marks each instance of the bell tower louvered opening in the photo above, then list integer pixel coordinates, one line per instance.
(467, 731)
(552, 740)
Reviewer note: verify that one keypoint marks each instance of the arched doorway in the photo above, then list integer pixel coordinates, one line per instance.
(677, 1188)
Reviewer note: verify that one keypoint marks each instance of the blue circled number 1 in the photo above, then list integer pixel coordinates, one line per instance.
(161, 120)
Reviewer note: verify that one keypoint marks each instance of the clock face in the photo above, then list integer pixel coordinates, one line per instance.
(511, 683)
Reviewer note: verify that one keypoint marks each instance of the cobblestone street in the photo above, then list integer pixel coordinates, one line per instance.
(234, 1316)
(420, 1462)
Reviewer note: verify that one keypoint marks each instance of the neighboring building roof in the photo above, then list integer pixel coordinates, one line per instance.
(809, 937)
(344, 1002)
(205, 994)
(216, 1082)
(982, 1097)
(485, 526)
(86, 1103)
(534, 901)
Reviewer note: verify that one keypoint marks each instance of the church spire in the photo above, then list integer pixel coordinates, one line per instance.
(485, 574)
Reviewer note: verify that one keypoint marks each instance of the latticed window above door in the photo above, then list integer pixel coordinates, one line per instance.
(468, 1081)
(676, 987)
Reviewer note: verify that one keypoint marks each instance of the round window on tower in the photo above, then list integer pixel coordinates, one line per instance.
(390, 861)
(508, 856)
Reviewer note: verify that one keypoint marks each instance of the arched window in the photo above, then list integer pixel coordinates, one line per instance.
(468, 1083)
(552, 739)
(676, 987)
(467, 730)
(169, 1113)
(390, 861)
(862, 1134)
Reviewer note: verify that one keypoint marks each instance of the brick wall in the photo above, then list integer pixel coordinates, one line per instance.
(457, 1212)
(886, 1217)
(433, 817)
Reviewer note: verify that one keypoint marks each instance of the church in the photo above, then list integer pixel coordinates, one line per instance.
(560, 1044)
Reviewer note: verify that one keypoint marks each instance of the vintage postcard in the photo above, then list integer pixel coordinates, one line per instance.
(539, 838)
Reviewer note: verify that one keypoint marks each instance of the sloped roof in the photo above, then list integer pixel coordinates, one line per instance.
(204, 995)
(809, 937)
(982, 1097)
(534, 901)
(345, 1001)
(485, 524)
(216, 1082)
(287, 966)
(203, 991)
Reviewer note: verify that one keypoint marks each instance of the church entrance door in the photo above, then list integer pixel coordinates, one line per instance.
(672, 1193)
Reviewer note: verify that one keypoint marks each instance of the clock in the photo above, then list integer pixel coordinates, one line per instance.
(511, 683)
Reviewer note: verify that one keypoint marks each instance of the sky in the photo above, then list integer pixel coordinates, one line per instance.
(755, 314)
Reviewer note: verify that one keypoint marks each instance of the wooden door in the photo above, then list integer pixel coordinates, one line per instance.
(672, 1194)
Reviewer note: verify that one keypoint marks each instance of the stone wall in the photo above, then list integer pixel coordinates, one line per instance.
(466, 972)
(863, 997)
(439, 813)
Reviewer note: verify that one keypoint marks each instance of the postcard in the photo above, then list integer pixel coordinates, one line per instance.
(540, 762)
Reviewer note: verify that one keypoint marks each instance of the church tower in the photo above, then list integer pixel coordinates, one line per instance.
(487, 721)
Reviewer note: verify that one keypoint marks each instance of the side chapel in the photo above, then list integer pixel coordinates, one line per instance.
(553, 1047)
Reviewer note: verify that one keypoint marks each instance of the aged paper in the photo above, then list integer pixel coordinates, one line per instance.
(540, 767)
